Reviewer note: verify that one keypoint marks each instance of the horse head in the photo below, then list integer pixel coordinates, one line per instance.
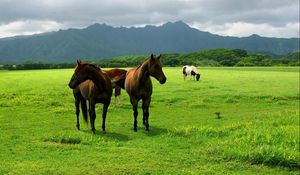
(80, 74)
(155, 69)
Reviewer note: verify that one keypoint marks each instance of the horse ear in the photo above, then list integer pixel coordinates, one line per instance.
(152, 57)
(78, 62)
(158, 57)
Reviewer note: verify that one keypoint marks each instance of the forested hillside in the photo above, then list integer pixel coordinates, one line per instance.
(103, 41)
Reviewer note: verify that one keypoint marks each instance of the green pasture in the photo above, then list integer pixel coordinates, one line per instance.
(257, 131)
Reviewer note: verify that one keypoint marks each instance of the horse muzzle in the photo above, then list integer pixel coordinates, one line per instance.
(163, 80)
(71, 85)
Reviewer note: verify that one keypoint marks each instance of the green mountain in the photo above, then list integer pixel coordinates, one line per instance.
(103, 41)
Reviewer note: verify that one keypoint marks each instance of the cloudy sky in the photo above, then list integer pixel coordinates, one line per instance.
(272, 18)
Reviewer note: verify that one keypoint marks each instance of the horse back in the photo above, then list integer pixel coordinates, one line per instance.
(112, 73)
(193, 68)
(117, 76)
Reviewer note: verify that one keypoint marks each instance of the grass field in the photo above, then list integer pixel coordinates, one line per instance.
(258, 132)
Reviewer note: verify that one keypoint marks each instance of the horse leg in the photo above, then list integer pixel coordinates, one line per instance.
(92, 115)
(134, 104)
(119, 97)
(105, 107)
(115, 100)
(117, 94)
(145, 106)
(144, 116)
(184, 76)
(77, 103)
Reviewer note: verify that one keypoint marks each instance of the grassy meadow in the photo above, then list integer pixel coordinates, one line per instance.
(257, 131)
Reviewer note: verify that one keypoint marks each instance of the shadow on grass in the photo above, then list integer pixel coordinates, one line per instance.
(109, 135)
(154, 131)
(116, 136)
(63, 139)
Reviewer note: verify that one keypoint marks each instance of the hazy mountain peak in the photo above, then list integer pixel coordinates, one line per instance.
(98, 26)
(255, 36)
(180, 24)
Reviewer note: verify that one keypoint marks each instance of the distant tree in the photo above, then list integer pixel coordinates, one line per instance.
(240, 52)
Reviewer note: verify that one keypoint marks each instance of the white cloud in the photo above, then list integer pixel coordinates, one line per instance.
(28, 27)
(275, 18)
(242, 29)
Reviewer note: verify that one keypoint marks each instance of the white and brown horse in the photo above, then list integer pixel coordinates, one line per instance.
(192, 71)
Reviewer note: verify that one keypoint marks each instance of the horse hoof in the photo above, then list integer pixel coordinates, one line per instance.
(77, 126)
(135, 129)
(104, 132)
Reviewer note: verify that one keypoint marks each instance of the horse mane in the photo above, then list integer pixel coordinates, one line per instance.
(94, 66)
(145, 62)
(139, 66)
(141, 70)
(89, 64)
(98, 74)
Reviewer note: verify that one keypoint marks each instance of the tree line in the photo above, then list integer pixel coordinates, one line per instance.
(212, 57)
(32, 65)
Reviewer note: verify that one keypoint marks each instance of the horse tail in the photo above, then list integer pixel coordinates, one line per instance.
(84, 109)
(117, 91)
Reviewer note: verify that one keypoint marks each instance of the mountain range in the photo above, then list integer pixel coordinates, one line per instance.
(104, 41)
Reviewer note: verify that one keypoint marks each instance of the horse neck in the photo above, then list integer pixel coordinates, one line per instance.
(194, 69)
(97, 78)
(143, 73)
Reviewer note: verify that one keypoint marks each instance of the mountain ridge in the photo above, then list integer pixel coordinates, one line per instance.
(103, 41)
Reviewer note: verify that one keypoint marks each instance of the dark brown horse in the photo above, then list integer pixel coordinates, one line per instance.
(139, 86)
(117, 76)
(91, 84)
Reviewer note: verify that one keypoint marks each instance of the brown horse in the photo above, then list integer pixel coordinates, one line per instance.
(117, 76)
(90, 83)
(139, 86)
